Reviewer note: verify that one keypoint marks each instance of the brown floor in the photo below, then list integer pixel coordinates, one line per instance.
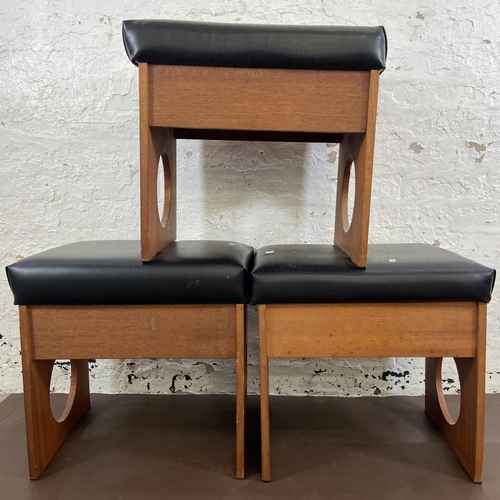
(182, 447)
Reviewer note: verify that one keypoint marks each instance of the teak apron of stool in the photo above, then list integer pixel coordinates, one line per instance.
(96, 299)
(411, 301)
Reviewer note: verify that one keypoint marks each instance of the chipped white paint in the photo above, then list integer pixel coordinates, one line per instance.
(69, 164)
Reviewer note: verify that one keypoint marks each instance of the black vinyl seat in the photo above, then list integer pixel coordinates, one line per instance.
(284, 274)
(111, 272)
(354, 48)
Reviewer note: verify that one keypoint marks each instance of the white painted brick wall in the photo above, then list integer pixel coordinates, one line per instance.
(69, 164)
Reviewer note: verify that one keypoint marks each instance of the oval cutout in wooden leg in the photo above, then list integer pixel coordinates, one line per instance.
(451, 412)
(163, 189)
(58, 412)
(348, 193)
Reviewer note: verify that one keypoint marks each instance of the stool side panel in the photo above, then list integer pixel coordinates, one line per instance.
(357, 152)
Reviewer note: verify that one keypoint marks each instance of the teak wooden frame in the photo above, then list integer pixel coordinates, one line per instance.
(430, 329)
(80, 333)
(256, 104)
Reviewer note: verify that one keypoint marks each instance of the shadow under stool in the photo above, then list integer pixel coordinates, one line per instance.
(412, 300)
(96, 299)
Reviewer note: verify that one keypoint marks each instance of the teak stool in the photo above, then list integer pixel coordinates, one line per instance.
(97, 299)
(253, 82)
(412, 300)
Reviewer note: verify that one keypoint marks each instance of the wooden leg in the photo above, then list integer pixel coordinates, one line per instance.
(356, 151)
(241, 389)
(157, 230)
(45, 434)
(264, 397)
(466, 435)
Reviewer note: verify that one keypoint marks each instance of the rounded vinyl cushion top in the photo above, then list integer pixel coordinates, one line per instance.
(111, 272)
(189, 43)
(394, 273)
